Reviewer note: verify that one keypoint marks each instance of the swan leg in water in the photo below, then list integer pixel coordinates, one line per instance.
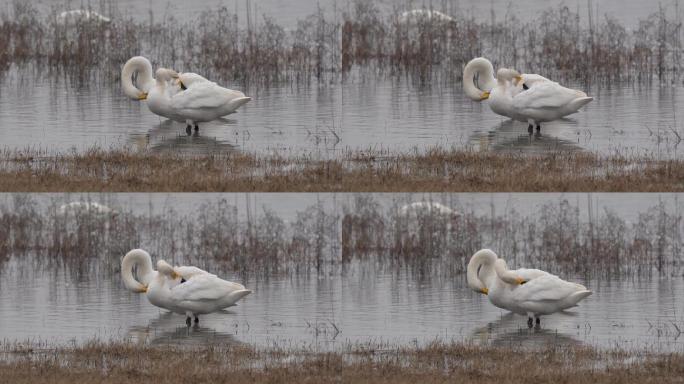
(188, 320)
(536, 322)
(188, 127)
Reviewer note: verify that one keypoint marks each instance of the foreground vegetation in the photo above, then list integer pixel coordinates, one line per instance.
(436, 169)
(435, 363)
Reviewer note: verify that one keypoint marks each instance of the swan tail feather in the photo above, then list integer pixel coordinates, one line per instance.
(580, 295)
(580, 102)
(239, 294)
(239, 102)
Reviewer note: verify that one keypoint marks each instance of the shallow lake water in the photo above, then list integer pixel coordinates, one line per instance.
(364, 303)
(52, 114)
(324, 312)
(47, 111)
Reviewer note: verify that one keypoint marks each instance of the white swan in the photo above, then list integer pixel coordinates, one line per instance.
(417, 15)
(198, 293)
(427, 207)
(170, 84)
(156, 284)
(86, 207)
(530, 292)
(524, 97)
(79, 16)
(199, 100)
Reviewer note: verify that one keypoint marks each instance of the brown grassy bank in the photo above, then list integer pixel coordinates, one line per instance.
(437, 363)
(437, 169)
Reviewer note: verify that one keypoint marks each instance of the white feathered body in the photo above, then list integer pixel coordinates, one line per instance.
(196, 291)
(542, 294)
(201, 101)
(418, 15)
(425, 207)
(77, 16)
(543, 100)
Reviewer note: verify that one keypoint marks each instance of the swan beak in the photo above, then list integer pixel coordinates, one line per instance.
(143, 290)
(142, 96)
(485, 291)
(485, 95)
(520, 281)
(518, 79)
(174, 275)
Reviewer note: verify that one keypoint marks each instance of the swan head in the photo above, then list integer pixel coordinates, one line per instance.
(165, 74)
(505, 74)
(479, 269)
(484, 71)
(166, 269)
(139, 68)
(507, 276)
(142, 260)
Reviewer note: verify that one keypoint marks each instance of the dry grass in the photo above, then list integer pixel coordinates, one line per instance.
(436, 363)
(437, 169)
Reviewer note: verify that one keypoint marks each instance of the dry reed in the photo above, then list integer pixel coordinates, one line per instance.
(320, 240)
(558, 43)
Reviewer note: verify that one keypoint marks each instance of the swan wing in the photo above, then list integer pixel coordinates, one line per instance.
(203, 95)
(529, 274)
(531, 78)
(203, 287)
(189, 78)
(545, 95)
(187, 272)
(546, 288)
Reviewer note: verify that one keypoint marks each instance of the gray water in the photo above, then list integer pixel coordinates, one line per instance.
(52, 114)
(46, 112)
(362, 304)
(325, 312)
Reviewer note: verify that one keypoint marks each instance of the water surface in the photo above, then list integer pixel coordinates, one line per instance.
(50, 113)
(361, 303)
(327, 312)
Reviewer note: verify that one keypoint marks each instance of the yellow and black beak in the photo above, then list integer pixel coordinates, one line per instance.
(142, 96)
(484, 96)
(143, 290)
(520, 281)
(484, 290)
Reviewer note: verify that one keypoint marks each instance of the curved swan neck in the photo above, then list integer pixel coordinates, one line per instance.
(485, 71)
(143, 68)
(480, 269)
(142, 260)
